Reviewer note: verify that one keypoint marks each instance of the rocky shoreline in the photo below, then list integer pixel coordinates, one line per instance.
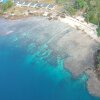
(80, 49)
(93, 84)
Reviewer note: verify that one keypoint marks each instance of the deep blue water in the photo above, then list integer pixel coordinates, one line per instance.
(30, 72)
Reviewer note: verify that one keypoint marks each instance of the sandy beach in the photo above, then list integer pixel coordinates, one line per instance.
(80, 24)
(75, 47)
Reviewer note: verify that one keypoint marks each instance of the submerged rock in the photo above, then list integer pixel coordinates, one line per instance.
(93, 84)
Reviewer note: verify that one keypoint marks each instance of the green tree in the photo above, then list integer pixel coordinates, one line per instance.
(98, 31)
(7, 5)
(79, 4)
(98, 19)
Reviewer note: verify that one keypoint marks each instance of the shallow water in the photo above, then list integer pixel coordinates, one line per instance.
(29, 70)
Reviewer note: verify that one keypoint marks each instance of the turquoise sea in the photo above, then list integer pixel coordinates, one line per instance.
(29, 70)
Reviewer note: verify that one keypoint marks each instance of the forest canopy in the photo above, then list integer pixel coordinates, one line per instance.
(90, 9)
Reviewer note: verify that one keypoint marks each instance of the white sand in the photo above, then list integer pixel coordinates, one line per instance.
(77, 23)
(73, 46)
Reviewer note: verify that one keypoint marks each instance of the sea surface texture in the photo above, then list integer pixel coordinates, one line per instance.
(31, 66)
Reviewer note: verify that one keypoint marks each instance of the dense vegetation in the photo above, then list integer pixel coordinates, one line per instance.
(98, 59)
(7, 5)
(90, 9)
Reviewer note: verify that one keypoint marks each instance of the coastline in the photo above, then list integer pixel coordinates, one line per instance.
(78, 62)
(82, 25)
(93, 83)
